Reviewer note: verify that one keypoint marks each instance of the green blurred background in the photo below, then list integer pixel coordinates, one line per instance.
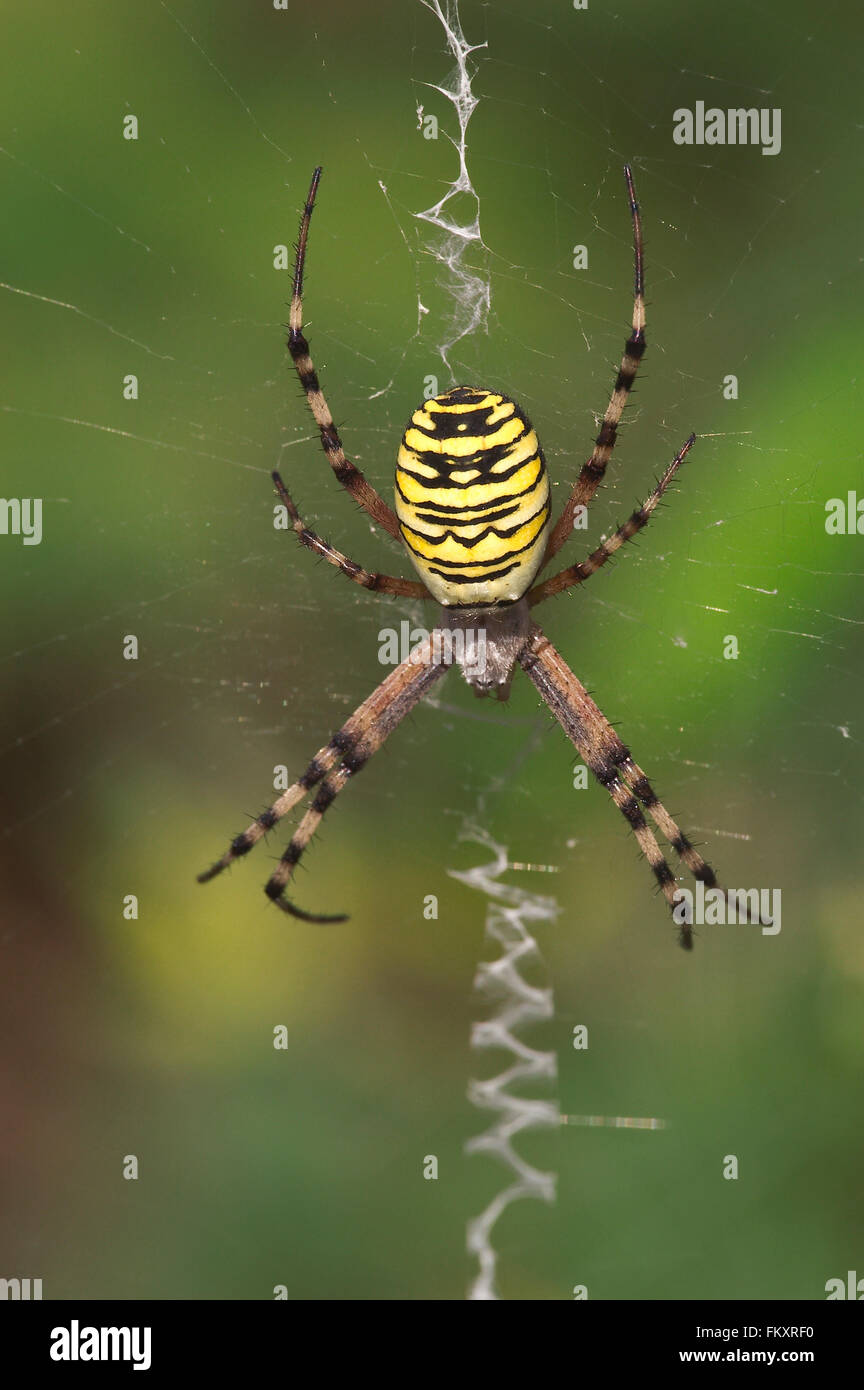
(153, 1037)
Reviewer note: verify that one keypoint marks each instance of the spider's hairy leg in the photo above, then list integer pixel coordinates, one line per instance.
(671, 831)
(330, 788)
(669, 828)
(348, 475)
(395, 697)
(575, 712)
(343, 745)
(319, 766)
(594, 468)
(578, 573)
(370, 579)
(618, 759)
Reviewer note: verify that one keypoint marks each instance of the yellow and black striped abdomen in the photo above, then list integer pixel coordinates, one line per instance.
(472, 497)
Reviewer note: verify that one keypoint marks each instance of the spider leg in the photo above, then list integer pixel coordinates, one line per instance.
(613, 766)
(578, 573)
(379, 583)
(348, 475)
(395, 697)
(669, 828)
(320, 764)
(344, 744)
(594, 468)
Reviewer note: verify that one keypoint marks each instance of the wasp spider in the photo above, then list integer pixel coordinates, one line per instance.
(473, 513)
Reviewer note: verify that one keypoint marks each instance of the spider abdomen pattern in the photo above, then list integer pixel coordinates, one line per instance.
(472, 497)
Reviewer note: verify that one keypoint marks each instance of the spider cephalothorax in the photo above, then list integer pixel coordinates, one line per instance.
(492, 642)
(472, 511)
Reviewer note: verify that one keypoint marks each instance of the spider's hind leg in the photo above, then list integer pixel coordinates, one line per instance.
(369, 724)
(395, 697)
(248, 838)
(613, 766)
(669, 828)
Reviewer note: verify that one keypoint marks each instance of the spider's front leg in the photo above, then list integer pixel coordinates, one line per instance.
(347, 473)
(594, 468)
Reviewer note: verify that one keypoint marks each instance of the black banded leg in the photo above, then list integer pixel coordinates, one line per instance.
(594, 468)
(629, 808)
(370, 579)
(348, 475)
(389, 695)
(409, 683)
(320, 764)
(559, 688)
(330, 788)
(670, 829)
(578, 573)
(619, 762)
